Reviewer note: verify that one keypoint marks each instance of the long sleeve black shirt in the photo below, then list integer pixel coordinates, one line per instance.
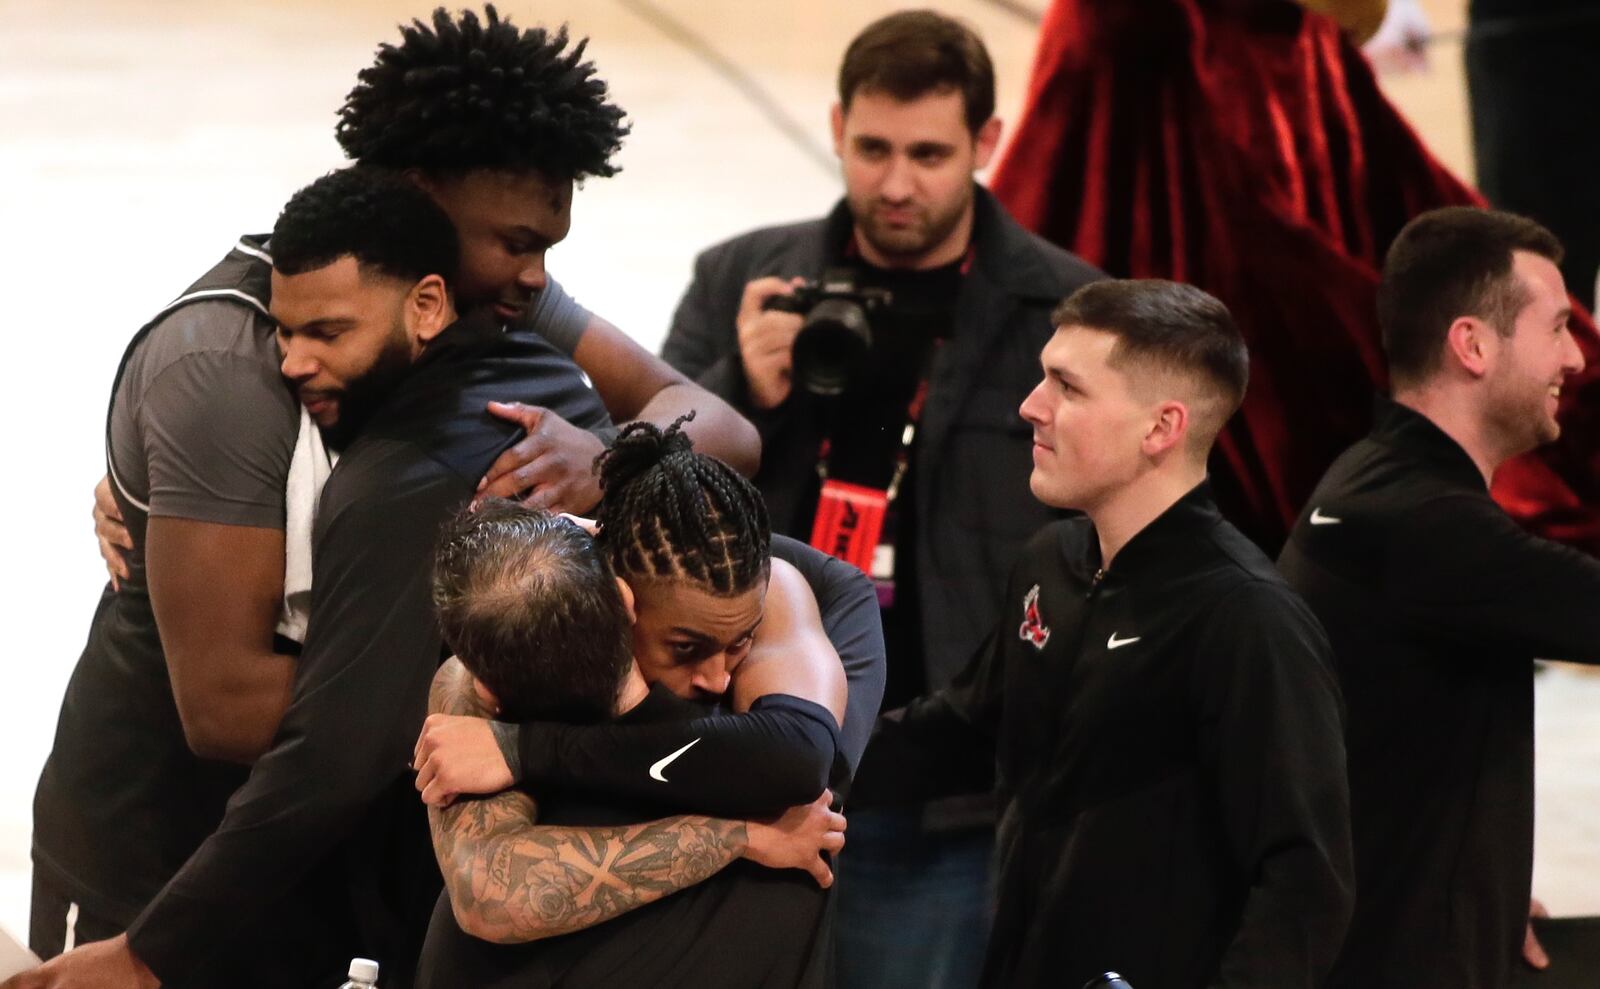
(747, 925)
(1437, 604)
(778, 755)
(1165, 736)
(333, 792)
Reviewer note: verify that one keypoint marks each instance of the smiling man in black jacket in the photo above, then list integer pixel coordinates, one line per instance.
(1157, 707)
(1437, 602)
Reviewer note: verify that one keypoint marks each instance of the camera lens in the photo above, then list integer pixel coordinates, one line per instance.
(831, 346)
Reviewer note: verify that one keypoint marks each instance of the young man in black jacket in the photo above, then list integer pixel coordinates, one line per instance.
(1437, 602)
(1157, 708)
(927, 425)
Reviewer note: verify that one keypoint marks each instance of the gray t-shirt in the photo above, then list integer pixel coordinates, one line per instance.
(557, 317)
(203, 425)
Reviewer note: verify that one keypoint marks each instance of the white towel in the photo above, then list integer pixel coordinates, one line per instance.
(308, 472)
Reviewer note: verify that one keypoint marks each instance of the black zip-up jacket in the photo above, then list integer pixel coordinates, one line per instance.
(1169, 757)
(333, 795)
(1437, 603)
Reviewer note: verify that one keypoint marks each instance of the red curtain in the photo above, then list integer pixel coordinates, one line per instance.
(1246, 148)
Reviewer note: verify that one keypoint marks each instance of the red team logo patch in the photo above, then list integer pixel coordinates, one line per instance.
(1033, 627)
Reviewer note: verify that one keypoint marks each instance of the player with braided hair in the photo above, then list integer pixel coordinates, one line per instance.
(716, 532)
(721, 609)
(206, 454)
(693, 539)
(716, 595)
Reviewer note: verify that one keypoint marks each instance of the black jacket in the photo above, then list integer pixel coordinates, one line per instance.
(333, 794)
(1170, 764)
(974, 452)
(1436, 603)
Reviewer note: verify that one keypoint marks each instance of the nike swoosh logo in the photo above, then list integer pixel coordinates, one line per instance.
(1116, 643)
(656, 770)
(1317, 518)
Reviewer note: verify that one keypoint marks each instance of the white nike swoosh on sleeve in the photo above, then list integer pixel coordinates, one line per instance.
(657, 768)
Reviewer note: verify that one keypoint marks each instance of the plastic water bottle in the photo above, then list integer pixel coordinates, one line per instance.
(363, 974)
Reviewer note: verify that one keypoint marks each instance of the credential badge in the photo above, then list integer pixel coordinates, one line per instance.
(1033, 627)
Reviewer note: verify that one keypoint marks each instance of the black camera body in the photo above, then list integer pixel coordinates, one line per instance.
(836, 335)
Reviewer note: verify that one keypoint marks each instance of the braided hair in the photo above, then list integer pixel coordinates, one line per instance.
(469, 93)
(668, 512)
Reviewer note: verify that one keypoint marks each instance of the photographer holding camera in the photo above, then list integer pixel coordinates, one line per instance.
(883, 351)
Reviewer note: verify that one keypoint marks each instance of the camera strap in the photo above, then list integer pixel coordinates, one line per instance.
(855, 522)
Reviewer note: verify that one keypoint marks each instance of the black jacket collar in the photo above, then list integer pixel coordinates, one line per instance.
(472, 333)
(1172, 541)
(1414, 434)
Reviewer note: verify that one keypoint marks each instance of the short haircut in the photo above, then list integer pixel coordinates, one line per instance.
(1446, 264)
(531, 607)
(389, 225)
(1168, 328)
(472, 94)
(915, 52)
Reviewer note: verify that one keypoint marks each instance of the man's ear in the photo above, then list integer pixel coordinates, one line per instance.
(428, 308)
(985, 142)
(486, 697)
(421, 179)
(627, 601)
(1168, 430)
(1468, 344)
(836, 124)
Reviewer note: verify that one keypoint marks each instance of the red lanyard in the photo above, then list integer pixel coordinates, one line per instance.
(908, 436)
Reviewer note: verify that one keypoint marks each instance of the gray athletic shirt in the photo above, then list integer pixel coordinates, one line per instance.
(203, 426)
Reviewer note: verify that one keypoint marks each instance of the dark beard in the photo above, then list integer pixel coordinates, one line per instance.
(938, 228)
(363, 396)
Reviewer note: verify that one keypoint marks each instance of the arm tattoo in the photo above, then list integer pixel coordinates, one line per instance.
(511, 880)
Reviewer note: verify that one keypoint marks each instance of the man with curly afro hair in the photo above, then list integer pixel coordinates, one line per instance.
(498, 123)
(191, 657)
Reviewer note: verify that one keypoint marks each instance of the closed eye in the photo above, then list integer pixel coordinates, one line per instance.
(313, 332)
(523, 246)
(686, 650)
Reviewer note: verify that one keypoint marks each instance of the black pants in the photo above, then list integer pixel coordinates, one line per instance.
(54, 920)
(279, 958)
(1535, 96)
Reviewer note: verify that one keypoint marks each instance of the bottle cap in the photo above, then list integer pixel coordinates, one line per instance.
(363, 970)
